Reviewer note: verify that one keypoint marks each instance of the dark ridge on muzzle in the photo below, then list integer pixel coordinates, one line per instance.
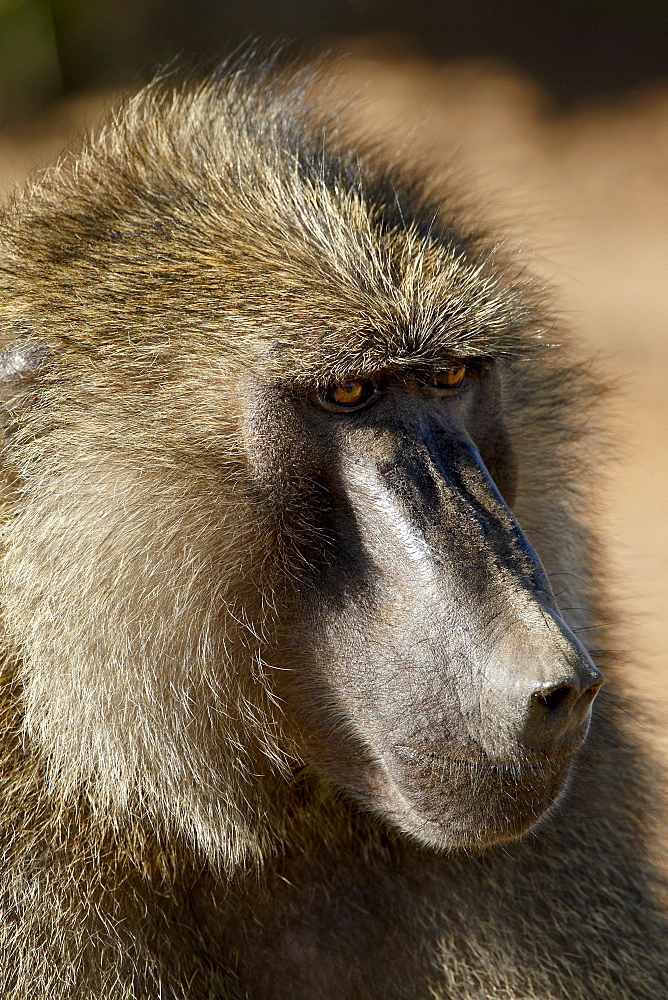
(448, 495)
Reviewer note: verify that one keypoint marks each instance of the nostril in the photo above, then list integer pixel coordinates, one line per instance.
(561, 698)
(559, 712)
(558, 698)
(591, 691)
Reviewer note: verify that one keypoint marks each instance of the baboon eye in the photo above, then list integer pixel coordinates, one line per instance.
(347, 395)
(449, 379)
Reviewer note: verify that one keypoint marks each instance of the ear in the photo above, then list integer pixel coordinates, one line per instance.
(19, 363)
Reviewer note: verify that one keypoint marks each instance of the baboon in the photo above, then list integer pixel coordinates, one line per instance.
(296, 471)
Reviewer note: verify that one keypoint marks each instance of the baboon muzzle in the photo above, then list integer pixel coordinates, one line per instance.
(483, 666)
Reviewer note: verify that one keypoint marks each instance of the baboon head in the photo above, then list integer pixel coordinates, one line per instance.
(273, 421)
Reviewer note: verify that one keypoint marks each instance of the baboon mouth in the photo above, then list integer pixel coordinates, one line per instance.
(516, 765)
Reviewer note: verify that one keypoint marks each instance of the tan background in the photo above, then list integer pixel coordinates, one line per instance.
(587, 190)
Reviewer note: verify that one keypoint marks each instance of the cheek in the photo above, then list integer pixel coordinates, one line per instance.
(487, 426)
(497, 453)
(287, 465)
(270, 436)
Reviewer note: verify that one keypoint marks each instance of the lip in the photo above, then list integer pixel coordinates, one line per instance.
(519, 764)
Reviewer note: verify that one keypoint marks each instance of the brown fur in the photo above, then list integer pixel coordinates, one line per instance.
(161, 836)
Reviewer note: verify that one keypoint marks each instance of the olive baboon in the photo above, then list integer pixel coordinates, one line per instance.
(286, 691)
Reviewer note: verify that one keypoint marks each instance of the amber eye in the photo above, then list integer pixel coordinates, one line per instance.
(348, 395)
(451, 378)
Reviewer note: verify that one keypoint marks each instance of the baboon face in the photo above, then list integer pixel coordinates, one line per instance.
(266, 408)
(436, 680)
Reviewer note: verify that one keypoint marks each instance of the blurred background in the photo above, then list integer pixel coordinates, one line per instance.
(554, 115)
(574, 48)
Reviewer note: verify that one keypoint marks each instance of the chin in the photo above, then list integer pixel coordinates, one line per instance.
(455, 805)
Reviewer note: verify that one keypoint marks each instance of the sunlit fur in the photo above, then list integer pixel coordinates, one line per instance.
(158, 826)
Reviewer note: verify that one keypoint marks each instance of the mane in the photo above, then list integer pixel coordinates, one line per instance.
(209, 234)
